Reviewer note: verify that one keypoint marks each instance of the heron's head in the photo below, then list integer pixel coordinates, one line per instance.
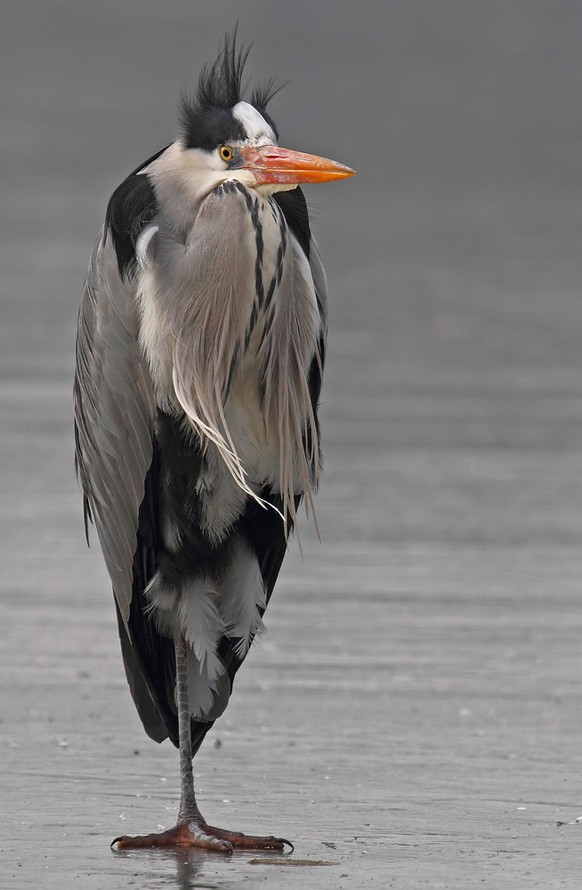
(223, 137)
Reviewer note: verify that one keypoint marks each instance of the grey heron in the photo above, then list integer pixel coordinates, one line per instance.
(200, 352)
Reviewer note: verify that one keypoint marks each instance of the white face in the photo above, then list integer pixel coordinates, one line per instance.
(198, 172)
(258, 132)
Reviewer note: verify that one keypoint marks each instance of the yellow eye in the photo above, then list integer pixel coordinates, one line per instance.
(226, 154)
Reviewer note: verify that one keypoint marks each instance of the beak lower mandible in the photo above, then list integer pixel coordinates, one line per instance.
(272, 164)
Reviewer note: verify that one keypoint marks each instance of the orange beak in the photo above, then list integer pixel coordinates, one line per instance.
(271, 164)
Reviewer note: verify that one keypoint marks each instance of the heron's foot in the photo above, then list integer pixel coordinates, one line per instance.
(242, 841)
(199, 834)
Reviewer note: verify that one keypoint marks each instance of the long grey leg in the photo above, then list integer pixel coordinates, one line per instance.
(188, 806)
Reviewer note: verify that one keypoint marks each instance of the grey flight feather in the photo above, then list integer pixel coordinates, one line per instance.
(114, 407)
(320, 283)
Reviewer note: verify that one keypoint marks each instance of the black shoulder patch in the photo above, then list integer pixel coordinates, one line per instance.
(131, 207)
(294, 210)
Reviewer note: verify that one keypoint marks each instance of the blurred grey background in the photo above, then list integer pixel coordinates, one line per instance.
(416, 701)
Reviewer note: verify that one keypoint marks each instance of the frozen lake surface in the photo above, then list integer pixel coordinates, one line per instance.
(413, 716)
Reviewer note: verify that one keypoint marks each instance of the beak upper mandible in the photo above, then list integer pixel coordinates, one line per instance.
(271, 164)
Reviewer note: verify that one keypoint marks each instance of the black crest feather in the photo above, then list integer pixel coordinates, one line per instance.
(206, 119)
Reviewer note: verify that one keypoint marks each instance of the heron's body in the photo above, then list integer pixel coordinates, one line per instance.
(199, 359)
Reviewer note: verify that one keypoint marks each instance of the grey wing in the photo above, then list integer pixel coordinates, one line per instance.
(320, 282)
(114, 406)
